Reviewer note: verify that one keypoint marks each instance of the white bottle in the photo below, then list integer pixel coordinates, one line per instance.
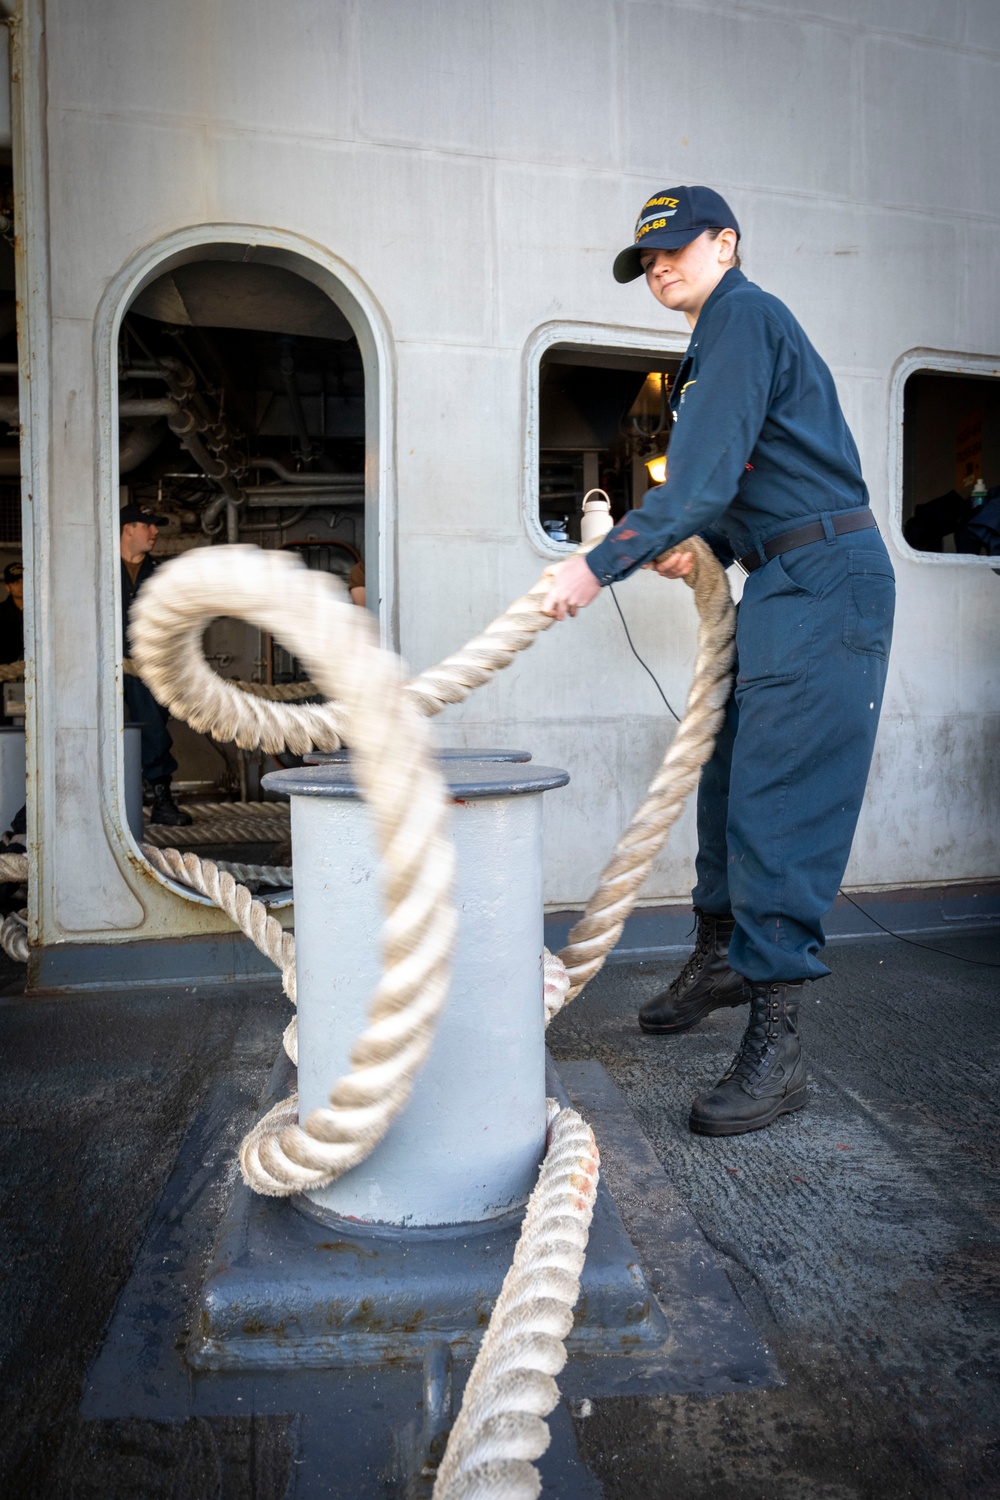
(978, 494)
(596, 520)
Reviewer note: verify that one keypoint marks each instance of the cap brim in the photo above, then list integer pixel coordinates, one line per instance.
(628, 265)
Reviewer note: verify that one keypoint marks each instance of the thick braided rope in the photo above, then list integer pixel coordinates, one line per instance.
(598, 930)
(11, 671)
(186, 684)
(211, 704)
(501, 1427)
(13, 867)
(397, 776)
(14, 936)
(279, 692)
(224, 823)
(14, 928)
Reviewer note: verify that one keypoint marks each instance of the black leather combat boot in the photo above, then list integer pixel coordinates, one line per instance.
(165, 809)
(767, 1077)
(705, 983)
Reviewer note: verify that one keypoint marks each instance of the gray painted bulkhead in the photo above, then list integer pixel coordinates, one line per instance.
(459, 177)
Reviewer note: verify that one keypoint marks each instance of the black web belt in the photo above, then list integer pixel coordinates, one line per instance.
(855, 520)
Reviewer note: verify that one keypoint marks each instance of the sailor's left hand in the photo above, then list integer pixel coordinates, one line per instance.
(573, 587)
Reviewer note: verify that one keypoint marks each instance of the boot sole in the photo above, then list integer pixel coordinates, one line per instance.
(784, 1106)
(654, 1030)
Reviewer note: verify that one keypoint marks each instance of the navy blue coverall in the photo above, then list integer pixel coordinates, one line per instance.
(760, 447)
(158, 763)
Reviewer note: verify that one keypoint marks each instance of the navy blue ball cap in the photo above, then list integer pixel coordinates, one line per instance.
(131, 513)
(673, 218)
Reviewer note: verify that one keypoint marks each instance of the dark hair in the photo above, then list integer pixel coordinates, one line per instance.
(736, 253)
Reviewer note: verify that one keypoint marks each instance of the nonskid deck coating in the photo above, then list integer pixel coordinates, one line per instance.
(862, 1236)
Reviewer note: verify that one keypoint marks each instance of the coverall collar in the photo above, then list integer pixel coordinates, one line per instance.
(729, 283)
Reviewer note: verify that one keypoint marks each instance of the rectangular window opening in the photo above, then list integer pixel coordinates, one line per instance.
(951, 462)
(603, 421)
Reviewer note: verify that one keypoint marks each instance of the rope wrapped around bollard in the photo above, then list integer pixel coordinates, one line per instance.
(399, 780)
(500, 1429)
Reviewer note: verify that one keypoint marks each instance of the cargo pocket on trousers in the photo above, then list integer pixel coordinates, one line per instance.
(871, 603)
(777, 622)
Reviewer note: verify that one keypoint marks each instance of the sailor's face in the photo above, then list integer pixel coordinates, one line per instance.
(144, 535)
(683, 279)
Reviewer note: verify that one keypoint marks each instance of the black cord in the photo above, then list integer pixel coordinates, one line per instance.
(611, 591)
(980, 963)
(928, 948)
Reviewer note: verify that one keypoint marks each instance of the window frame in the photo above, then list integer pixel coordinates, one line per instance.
(930, 362)
(589, 338)
(346, 289)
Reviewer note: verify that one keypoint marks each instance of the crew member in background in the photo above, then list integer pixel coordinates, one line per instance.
(763, 465)
(139, 530)
(12, 615)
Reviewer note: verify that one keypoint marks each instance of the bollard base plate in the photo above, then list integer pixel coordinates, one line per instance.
(291, 1285)
(657, 1312)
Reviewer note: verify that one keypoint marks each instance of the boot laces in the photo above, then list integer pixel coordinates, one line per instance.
(695, 961)
(757, 1046)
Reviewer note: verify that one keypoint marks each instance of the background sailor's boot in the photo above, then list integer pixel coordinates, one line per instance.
(165, 809)
(767, 1077)
(705, 983)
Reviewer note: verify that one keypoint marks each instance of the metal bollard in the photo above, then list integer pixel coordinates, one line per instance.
(467, 1145)
(340, 757)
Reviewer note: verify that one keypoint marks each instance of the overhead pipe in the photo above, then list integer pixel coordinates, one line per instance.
(135, 408)
(136, 445)
(261, 497)
(282, 525)
(316, 481)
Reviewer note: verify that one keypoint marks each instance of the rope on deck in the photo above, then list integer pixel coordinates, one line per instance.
(223, 823)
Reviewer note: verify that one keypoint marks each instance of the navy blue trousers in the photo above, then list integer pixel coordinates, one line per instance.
(157, 759)
(779, 800)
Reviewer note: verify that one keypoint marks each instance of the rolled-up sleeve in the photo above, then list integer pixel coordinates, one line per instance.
(718, 423)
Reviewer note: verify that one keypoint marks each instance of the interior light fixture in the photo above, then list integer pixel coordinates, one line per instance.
(656, 467)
